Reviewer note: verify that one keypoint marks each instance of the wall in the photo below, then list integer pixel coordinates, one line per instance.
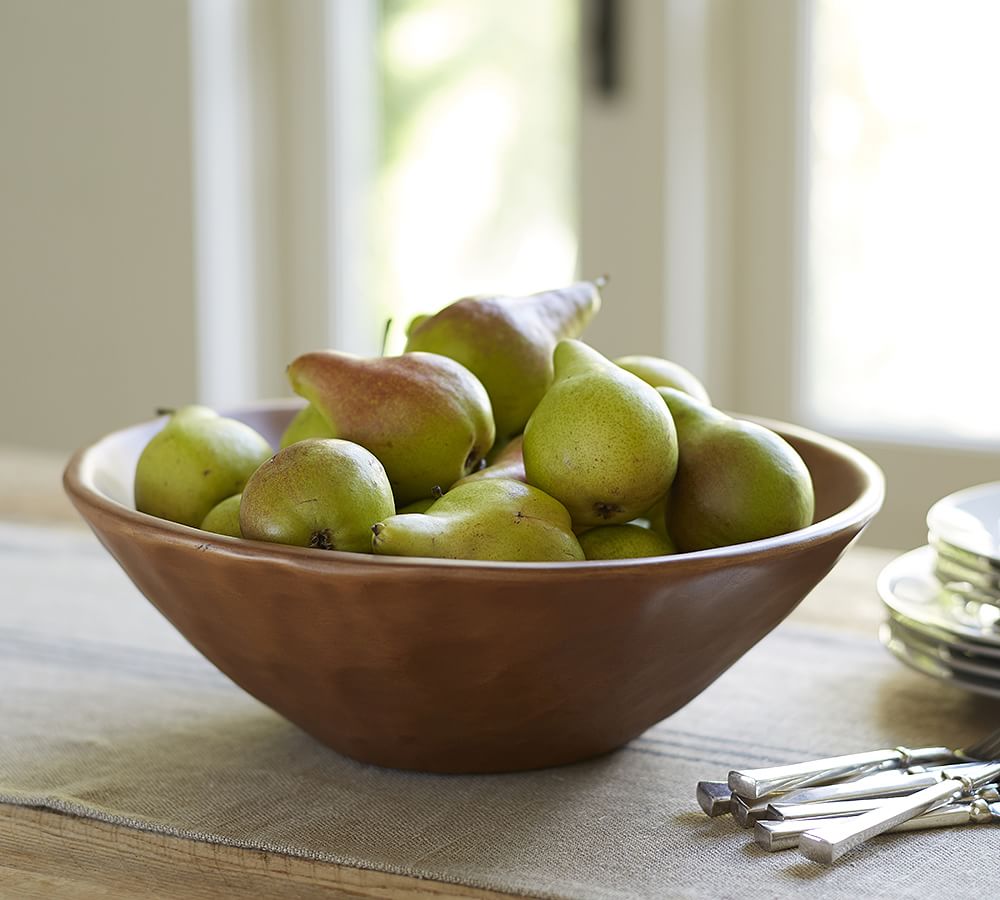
(97, 316)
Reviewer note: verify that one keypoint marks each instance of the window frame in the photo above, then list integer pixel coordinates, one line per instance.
(730, 204)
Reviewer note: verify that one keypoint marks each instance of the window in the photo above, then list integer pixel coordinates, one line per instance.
(902, 312)
(476, 185)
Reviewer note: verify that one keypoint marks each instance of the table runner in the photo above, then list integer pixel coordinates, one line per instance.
(107, 713)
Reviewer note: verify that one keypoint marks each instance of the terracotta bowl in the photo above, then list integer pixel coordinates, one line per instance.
(463, 666)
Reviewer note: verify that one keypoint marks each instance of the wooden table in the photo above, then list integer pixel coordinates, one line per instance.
(49, 855)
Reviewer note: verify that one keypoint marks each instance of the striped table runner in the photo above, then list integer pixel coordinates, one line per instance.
(107, 713)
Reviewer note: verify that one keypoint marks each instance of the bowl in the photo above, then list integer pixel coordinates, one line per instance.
(465, 666)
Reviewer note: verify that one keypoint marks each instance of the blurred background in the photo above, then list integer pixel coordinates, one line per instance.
(797, 199)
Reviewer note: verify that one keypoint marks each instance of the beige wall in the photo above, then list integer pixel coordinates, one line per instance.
(97, 315)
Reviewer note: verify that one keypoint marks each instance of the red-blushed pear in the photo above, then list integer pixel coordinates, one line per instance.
(507, 342)
(602, 441)
(509, 463)
(490, 519)
(324, 494)
(426, 417)
(736, 481)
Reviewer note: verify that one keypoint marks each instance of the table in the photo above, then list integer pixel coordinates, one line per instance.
(50, 854)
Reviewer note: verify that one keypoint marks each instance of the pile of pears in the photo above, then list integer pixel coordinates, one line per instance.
(496, 435)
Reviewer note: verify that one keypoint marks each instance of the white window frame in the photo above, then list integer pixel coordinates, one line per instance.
(725, 100)
(285, 125)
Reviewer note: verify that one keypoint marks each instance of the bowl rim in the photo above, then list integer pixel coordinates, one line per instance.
(78, 482)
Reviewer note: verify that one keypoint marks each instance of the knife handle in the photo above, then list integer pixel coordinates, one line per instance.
(756, 783)
(784, 835)
(714, 797)
(829, 842)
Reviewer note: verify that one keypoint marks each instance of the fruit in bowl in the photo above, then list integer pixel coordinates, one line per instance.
(477, 637)
(458, 665)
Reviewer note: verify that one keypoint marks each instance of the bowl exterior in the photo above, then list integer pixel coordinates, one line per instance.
(461, 668)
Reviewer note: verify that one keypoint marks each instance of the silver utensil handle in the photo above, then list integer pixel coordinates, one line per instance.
(781, 809)
(824, 810)
(714, 797)
(784, 835)
(829, 842)
(756, 783)
(881, 784)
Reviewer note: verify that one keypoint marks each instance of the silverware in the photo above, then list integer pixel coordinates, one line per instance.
(714, 797)
(781, 810)
(785, 835)
(832, 839)
(880, 785)
(756, 783)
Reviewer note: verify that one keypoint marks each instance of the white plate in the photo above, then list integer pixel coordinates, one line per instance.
(908, 587)
(956, 646)
(955, 573)
(970, 520)
(929, 664)
(961, 663)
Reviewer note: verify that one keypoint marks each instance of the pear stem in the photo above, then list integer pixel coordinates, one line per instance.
(385, 335)
(165, 410)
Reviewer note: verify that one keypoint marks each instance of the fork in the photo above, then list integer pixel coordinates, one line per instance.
(828, 842)
(753, 784)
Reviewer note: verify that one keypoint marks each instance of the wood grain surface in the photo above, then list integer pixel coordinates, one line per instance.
(46, 855)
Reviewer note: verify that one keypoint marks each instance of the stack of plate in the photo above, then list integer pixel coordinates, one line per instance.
(943, 600)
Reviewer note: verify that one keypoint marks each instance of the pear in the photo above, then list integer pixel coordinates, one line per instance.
(224, 517)
(416, 322)
(507, 342)
(489, 519)
(624, 542)
(602, 441)
(426, 417)
(736, 481)
(508, 463)
(308, 423)
(320, 493)
(658, 372)
(656, 515)
(417, 506)
(196, 460)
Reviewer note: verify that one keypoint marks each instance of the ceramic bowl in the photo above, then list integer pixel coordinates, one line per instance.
(464, 666)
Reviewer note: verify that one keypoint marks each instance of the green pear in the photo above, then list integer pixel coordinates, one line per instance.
(426, 417)
(658, 372)
(507, 342)
(489, 519)
(224, 517)
(656, 515)
(308, 423)
(624, 542)
(602, 441)
(320, 493)
(736, 481)
(417, 506)
(509, 463)
(196, 460)
(416, 322)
